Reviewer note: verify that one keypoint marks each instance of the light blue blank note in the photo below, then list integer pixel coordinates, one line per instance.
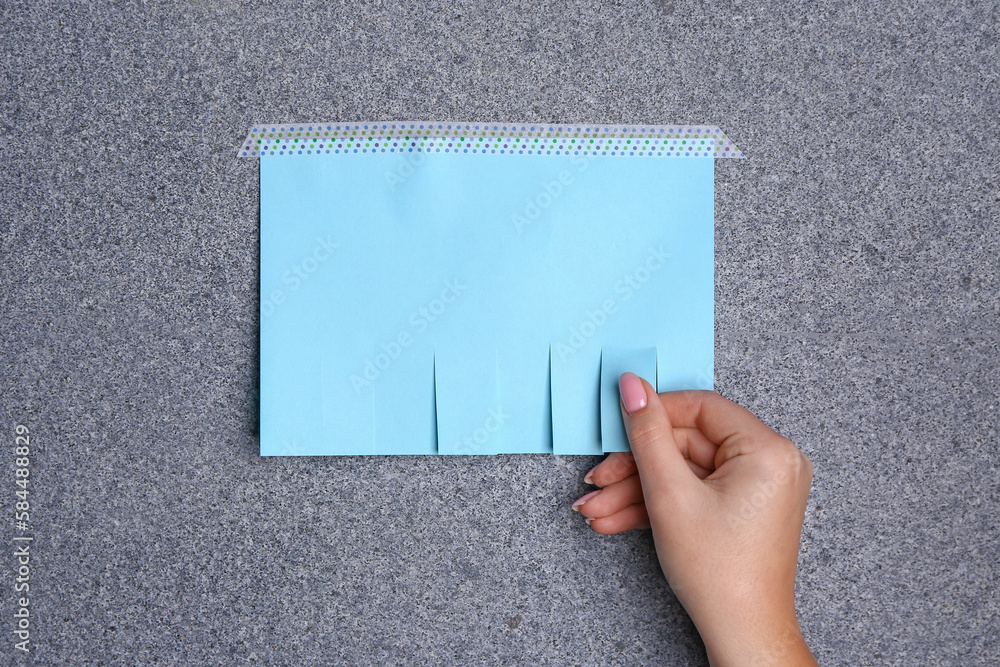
(460, 303)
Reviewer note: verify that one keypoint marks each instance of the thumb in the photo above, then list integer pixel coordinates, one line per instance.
(661, 465)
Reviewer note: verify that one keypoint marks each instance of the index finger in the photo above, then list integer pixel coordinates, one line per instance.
(616, 467)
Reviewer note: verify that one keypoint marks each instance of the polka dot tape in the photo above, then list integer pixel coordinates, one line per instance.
(488, 139)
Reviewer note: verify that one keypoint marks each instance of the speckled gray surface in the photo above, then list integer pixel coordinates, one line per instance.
(857, 312)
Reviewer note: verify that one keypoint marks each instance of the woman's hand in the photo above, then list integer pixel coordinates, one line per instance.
(725, 497)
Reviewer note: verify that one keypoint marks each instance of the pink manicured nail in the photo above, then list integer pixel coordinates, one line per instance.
(589, 477)
(590, 520)
(584, 499)
(632, 391)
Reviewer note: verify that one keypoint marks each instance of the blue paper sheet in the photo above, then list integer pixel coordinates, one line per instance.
(460, 304)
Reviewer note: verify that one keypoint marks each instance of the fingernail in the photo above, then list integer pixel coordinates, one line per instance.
(590, 520)
(632, 391)
(589, 477)
(584, 499)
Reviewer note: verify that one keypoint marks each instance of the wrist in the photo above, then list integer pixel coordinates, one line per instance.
(761, 639)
